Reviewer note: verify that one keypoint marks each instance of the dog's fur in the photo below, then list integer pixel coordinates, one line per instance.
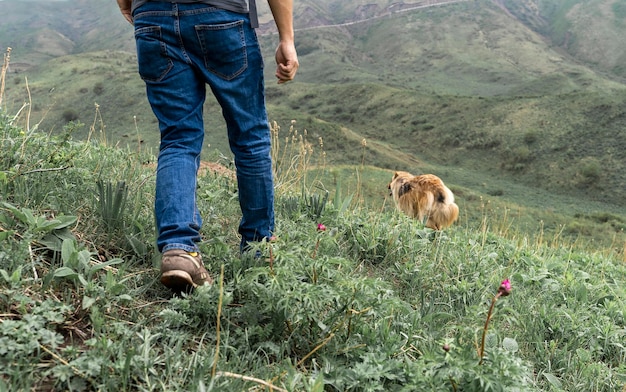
(424, 196)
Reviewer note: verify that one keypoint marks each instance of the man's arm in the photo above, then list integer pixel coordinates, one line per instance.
(286, 56)
(125, 6)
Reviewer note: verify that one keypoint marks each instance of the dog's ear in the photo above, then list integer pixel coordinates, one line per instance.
(404, 188)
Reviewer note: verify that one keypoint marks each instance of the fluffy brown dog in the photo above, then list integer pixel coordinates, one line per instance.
(424, 196)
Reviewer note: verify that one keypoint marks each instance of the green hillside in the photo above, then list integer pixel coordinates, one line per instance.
(43, 30)
(590, 31)
(347, 298)
(463, 90)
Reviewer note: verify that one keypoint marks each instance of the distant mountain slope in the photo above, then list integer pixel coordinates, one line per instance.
(316, 13)
(464, 85)
(38, 31)
(592, 31)
(469, 48)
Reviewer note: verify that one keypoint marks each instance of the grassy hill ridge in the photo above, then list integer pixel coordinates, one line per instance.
(469, 92)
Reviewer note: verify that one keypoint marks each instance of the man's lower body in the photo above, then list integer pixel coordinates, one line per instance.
(182, 48)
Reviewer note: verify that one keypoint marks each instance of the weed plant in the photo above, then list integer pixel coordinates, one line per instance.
(346, 299)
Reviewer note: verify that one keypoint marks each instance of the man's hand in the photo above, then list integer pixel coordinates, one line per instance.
(286, 61)
(125, 6)
(286, 55)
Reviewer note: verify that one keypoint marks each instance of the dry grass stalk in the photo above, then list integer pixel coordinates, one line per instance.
(294, 159)
(3, 73)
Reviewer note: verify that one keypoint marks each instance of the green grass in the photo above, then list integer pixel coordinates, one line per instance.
(372, 301)
(531, 149)
(455, 95)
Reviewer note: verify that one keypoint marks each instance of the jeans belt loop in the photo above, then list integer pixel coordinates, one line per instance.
(254, 17)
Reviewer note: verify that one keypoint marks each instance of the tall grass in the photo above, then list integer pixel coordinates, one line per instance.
(347, 299)
(294, 155)
(6, 60)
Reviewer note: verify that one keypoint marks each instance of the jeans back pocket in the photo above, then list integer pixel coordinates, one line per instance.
(152, 58)
(223, 48)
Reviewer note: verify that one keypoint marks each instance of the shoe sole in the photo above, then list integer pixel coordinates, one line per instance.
(177, 280)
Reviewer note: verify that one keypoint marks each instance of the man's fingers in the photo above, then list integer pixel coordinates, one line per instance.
(128, 17)
(286, 72)
(125, 8)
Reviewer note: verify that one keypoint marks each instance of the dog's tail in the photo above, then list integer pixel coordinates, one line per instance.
(444, 213)
(441, 197)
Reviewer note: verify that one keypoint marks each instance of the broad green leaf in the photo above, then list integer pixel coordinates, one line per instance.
(5, 275)
(492, 340)
(16, 276)
(138, 246)
(87, 302)
(100, 266)
(63, 272)
(583, 355)
(68, 251)
(16, 212)
(84, 257)
(5, 234)
(319, 383)
(64, 234)
(510, 345)
(52, 242)
(64, 221)
(28, 217)
(553, 380)
(45, 225)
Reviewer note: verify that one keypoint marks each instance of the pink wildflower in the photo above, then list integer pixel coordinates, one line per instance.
(503, 291)
(321, 227)
(505, 288)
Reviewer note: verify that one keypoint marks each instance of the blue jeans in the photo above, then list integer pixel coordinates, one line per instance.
(182, 48)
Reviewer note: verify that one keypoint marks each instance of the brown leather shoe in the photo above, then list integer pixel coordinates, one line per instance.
(182, 271)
